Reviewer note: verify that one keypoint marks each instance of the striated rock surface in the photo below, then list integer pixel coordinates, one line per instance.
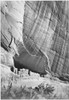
(11, 23)
(44, 31)
(46, 25)
(38, 32)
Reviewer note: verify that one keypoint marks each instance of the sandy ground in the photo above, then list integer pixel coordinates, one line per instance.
(31, 87)
(24, 86)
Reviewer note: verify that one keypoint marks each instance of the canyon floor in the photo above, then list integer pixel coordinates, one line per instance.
(24, 86)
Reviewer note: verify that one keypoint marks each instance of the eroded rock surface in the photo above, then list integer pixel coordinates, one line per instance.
(22, 85)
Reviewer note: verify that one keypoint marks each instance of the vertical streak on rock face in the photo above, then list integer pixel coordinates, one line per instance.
(41, 32)
(67, 8)
(36, 33)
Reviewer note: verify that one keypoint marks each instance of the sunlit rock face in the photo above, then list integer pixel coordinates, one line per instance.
(6, 58)
(46, 28)
(37, 31)
(11, 24)
(34, 36)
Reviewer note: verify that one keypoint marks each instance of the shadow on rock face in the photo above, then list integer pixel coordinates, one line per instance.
(37, 63)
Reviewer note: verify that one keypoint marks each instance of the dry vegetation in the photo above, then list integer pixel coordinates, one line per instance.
(31, 87)
(24, 86)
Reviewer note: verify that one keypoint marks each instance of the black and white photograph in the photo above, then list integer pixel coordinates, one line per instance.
(34, 50)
